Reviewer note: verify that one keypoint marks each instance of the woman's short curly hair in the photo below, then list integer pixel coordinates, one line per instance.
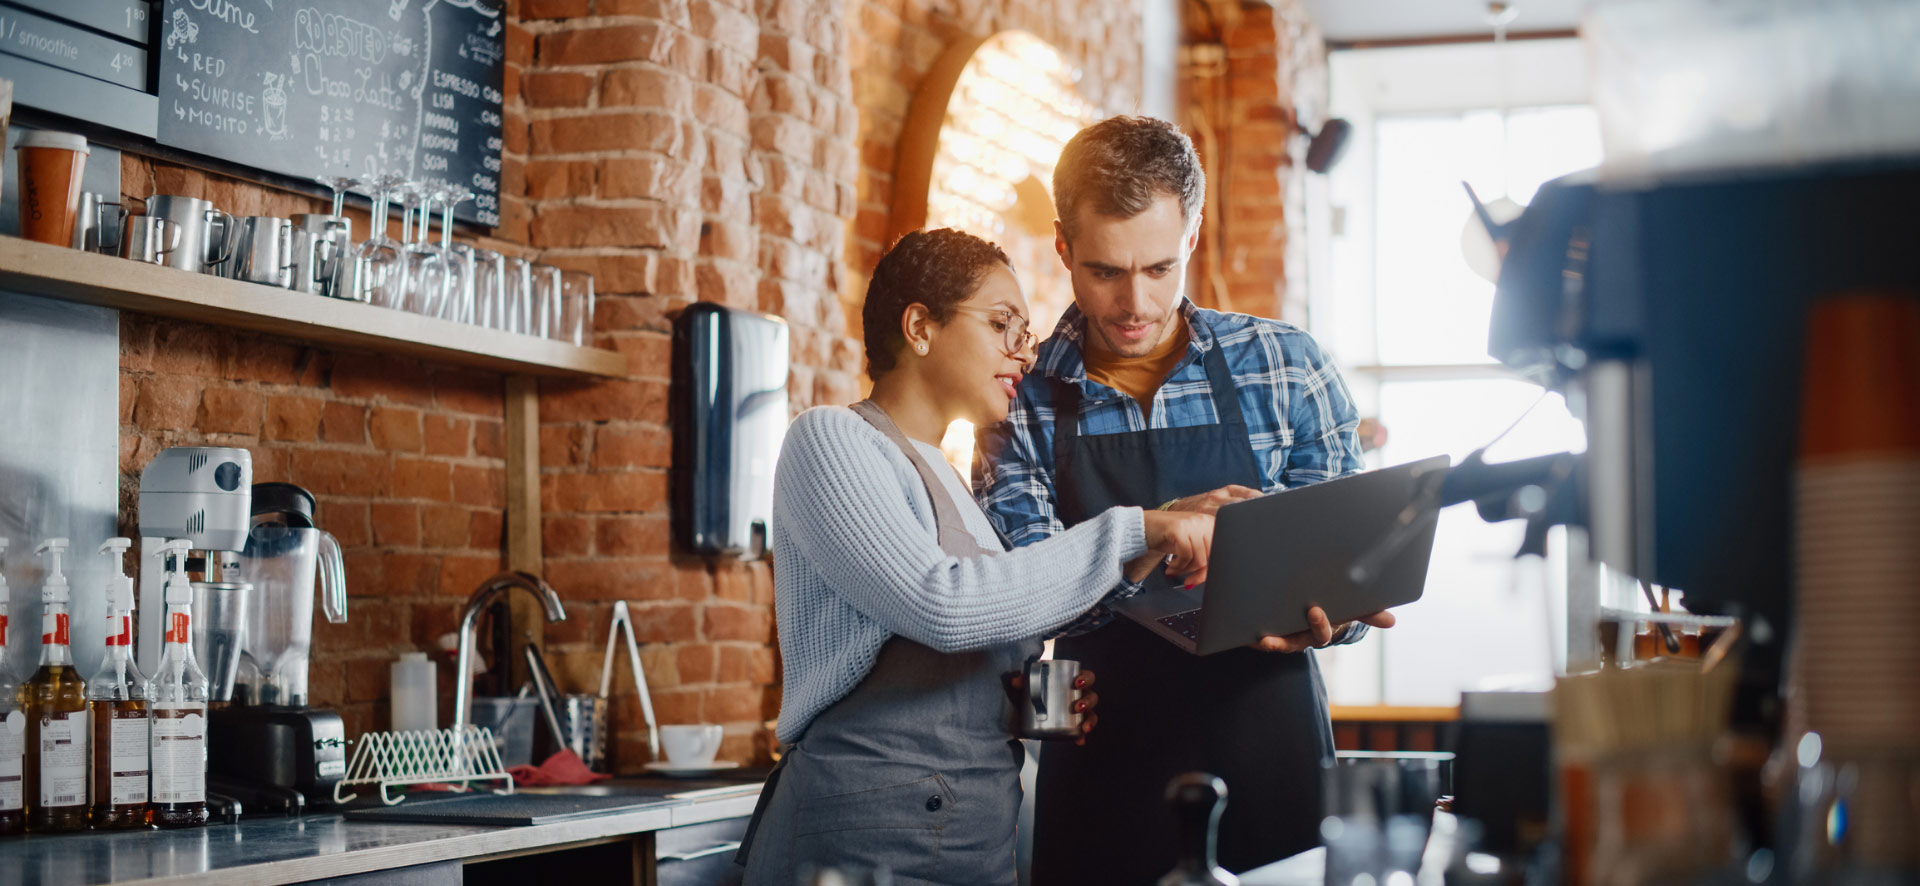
(939, 269)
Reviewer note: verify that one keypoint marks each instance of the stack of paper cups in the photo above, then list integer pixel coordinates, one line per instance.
(1857, 526)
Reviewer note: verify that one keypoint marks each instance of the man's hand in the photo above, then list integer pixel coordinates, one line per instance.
(1203, 503)
(1319, 632)
(1209, 502)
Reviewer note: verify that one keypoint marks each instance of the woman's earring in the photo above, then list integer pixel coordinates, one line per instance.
(921, 347)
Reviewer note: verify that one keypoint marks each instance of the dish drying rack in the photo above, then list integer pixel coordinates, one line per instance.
(457, 757)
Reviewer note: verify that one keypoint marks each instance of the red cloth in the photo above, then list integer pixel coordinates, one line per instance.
(565, 767)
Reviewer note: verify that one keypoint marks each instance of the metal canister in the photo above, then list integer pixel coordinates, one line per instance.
(1047, 711)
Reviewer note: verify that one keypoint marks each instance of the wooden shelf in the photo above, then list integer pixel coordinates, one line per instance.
(57, 272)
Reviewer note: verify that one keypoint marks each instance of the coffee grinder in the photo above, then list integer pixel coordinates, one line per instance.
(269, 745)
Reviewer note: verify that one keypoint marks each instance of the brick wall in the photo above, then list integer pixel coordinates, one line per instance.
(737, 151)
(405, 459)
(895, 43)
(1249, 70)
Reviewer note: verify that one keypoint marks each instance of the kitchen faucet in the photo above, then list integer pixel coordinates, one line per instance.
(483, 597)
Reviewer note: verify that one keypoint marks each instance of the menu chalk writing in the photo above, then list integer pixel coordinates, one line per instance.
(340, 87)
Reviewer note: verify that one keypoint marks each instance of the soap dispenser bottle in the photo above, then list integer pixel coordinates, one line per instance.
(117, 708)
(177, 694)
(56, 703)
(13, 727)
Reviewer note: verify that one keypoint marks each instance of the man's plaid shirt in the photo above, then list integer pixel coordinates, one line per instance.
(1299, 416)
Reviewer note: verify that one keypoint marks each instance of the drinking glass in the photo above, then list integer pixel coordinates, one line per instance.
(426, 271)
(341, 185)
(576, 307)
(489, 289)
(546, 302)
(458, 305)
(378, 266)
(518, 302)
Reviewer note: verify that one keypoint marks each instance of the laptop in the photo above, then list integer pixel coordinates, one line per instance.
(1352, 546)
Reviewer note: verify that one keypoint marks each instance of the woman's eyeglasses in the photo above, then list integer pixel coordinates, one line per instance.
(1009, 324)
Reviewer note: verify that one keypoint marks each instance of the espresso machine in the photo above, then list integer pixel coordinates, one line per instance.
(270, 747)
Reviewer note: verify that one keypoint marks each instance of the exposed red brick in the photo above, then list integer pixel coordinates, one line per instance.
(696, 663)
(395, 430)
(727, 622)
(343, 423)
(631, 446)
(293, 418)
(566, 536)
(631, 536)
(644, 41)
(395, 524)
(447, 435)
(385, 378)
(472, 393)
(562, 446)
(444, 526)
(167, 402)
(479, 487)
(419, 478)
(336, 472)
(642, 400)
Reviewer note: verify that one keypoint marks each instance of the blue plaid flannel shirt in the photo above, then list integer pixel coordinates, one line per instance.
(1299, 416)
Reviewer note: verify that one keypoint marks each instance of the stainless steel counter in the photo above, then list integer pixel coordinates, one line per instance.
(269, 851)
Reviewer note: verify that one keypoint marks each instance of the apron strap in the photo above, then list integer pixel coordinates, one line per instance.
(1226, 399)
(952, 531)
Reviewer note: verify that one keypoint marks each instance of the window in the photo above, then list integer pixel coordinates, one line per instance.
(1406, 319)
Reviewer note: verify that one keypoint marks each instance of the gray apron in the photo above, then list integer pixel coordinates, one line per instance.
(917, 770)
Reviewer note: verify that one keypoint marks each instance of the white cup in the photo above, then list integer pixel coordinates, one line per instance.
(690, 745)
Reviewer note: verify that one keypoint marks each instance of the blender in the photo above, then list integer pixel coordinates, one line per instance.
(201, 494)
(270, 744)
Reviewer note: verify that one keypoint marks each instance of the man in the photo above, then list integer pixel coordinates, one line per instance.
(1141, 398)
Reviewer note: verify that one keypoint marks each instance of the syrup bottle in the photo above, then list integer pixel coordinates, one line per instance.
(177, 694)
(117, 708)
(13, 730)
(56, 701)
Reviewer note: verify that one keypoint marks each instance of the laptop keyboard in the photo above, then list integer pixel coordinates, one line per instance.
(1186, 624)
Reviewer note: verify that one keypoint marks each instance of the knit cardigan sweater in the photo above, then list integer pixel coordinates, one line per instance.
(857, 561)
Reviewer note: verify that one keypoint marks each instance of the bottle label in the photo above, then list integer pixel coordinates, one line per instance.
(63, 758)
(119, 630)
(13, 748)
(128, 757)
(177, 629)
(53, 629)
(180, 751)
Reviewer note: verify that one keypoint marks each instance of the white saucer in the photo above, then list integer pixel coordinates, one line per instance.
(693, 771)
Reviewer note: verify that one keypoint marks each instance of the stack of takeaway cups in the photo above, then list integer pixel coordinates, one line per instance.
(1857, 527)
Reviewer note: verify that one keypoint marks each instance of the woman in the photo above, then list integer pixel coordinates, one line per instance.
(901, 613)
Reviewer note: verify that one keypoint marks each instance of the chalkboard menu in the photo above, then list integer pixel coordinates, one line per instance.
(340, 87)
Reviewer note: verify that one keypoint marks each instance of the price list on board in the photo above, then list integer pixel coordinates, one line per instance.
(343, 87)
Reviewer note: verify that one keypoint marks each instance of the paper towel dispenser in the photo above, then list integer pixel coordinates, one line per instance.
(729, 410)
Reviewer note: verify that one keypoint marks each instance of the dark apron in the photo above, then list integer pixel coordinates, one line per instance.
(1256, 719)
(917, 770)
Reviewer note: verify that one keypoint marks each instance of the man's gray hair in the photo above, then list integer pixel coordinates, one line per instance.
(1120, 165)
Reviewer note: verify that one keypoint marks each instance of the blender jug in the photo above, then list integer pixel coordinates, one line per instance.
(282, 563)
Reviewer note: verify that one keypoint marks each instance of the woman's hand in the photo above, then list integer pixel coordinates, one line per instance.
(1187, 536)
(1017, 686)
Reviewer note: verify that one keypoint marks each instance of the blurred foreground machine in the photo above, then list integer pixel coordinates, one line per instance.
(1673, 316)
